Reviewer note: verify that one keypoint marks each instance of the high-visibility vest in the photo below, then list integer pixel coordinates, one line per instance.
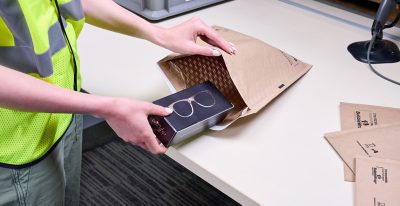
(32, 42)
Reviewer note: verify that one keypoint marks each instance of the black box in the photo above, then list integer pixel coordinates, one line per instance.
(195, 109)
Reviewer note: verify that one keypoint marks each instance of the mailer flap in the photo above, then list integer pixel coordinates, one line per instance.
(260, 72)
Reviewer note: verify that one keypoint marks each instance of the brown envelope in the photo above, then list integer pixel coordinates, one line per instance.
(363, 116)
(378, 182)
(380, 141)
(250, 79)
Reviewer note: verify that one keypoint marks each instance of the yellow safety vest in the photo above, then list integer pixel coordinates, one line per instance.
(32, 42)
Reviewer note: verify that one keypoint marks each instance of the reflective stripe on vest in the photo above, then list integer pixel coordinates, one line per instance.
(71, 10)
(33, 43)
(27, 56)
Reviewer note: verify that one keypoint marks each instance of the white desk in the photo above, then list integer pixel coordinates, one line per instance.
(278, 156)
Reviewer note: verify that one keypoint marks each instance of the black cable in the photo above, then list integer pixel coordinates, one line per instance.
(394, 22)
(69, 46)
(371, 43)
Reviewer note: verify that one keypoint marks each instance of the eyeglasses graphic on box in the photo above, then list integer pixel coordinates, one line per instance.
(194, 110)
(184, 107)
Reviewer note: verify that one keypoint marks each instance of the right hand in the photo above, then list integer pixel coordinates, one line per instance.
(182, 39)
(128, 118)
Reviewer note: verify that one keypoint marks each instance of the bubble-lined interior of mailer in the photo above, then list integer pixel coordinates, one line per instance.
(195, 69)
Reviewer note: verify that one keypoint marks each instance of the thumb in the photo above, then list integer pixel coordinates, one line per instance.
(158, 110)
(206, 51)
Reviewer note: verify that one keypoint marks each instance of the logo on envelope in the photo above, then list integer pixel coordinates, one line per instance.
(379, 175)
(365, 118)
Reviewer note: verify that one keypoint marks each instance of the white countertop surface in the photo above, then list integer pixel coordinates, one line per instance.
(278, 156)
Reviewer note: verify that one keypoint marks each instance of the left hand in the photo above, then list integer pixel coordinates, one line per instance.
(182, 39)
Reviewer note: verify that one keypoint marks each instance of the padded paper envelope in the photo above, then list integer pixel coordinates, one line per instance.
(380, 141)
(378, 182)
(353, 116)
(250, 79)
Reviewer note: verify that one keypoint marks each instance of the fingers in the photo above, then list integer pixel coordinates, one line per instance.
(210, 36)
(154, 146)
(154, 109)
(182, 39)
(130, 123)
(151, 147)
(150, 143)
(148, 140)
(205, 51)
(142, 145)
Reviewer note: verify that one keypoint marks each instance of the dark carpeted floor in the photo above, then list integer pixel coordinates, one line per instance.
(117, 173)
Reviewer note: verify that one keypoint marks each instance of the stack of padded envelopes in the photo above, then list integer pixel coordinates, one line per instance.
(369, 145)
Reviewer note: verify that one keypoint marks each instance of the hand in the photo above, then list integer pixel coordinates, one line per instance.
(128, 118)
(182, 39)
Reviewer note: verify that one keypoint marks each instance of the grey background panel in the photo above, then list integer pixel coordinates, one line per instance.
(155, 10)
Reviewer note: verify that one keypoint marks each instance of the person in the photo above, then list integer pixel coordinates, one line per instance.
(40, 102)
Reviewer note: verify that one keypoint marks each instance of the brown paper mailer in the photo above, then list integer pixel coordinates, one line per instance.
(250, 79)
(380, 141)
(378, 182)
(353, 116)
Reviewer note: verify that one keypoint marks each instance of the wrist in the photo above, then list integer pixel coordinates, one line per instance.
(103, 107)
(159, 35)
